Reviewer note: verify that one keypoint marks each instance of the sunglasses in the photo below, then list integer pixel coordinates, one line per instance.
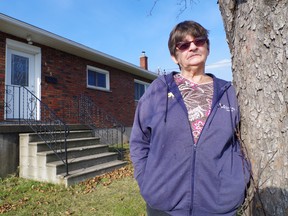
(199, 41)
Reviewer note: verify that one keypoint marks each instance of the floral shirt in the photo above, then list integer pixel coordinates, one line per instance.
(198, 101)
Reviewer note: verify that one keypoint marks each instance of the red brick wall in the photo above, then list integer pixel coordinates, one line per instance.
(70, 72)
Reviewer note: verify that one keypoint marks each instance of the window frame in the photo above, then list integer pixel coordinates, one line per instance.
(100, 71)
(146, 85)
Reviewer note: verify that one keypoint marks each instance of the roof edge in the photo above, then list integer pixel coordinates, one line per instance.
(22, 29)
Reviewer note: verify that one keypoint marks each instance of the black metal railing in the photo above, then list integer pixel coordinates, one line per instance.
(106, 127)
(23, 106)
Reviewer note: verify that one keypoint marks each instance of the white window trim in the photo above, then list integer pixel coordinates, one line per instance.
(146, 84)
(141, 82)
(98, 70)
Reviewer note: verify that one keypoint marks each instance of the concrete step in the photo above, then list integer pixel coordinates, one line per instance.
(87, 157)
(71, 143)
(49, 156)
(34, 137)
(83, 174)
(81, 162)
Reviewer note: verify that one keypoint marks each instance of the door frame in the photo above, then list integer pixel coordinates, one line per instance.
(32, 50)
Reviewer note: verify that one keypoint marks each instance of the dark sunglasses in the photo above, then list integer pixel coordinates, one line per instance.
(199, 41)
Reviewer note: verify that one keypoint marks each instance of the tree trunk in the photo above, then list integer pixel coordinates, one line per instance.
(257, 34)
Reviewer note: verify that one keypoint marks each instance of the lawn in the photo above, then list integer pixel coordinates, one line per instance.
(114, 194)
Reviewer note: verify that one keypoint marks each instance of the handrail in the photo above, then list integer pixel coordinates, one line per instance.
(21, 104)
(105, 126)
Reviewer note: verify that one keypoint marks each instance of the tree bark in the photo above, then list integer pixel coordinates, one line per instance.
(257, 34)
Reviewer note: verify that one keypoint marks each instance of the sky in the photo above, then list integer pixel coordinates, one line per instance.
(125, 28)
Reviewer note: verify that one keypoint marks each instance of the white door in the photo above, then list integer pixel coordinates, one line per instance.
(21, 91)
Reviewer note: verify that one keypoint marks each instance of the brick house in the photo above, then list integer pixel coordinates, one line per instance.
(40, 70)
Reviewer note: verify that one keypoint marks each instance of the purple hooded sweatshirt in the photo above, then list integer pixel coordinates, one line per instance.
(173, 173)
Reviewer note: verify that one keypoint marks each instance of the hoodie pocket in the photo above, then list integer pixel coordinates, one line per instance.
(155, 191)
(165, 181)
(234, 177)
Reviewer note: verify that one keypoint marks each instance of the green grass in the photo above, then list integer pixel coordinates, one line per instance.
(114, 194)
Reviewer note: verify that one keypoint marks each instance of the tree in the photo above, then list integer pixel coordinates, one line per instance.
(257, 35)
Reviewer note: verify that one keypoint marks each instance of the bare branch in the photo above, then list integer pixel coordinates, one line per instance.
(183, 4)
(155, 2)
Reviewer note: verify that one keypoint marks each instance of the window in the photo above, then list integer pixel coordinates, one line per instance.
(97, 78)
(139, 89)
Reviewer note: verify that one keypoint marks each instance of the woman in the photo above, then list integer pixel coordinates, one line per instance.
(185, 153)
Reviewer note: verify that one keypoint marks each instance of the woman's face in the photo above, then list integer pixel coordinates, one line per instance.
(194, 55)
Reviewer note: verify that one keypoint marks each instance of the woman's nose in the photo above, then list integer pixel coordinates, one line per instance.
(192, 46)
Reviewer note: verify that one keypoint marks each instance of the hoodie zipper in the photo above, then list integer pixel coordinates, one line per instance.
(194, 147)
(193, 176)
(213, 110)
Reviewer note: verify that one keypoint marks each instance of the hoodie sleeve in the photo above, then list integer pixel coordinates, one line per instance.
(144, 125)
(140, 137)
